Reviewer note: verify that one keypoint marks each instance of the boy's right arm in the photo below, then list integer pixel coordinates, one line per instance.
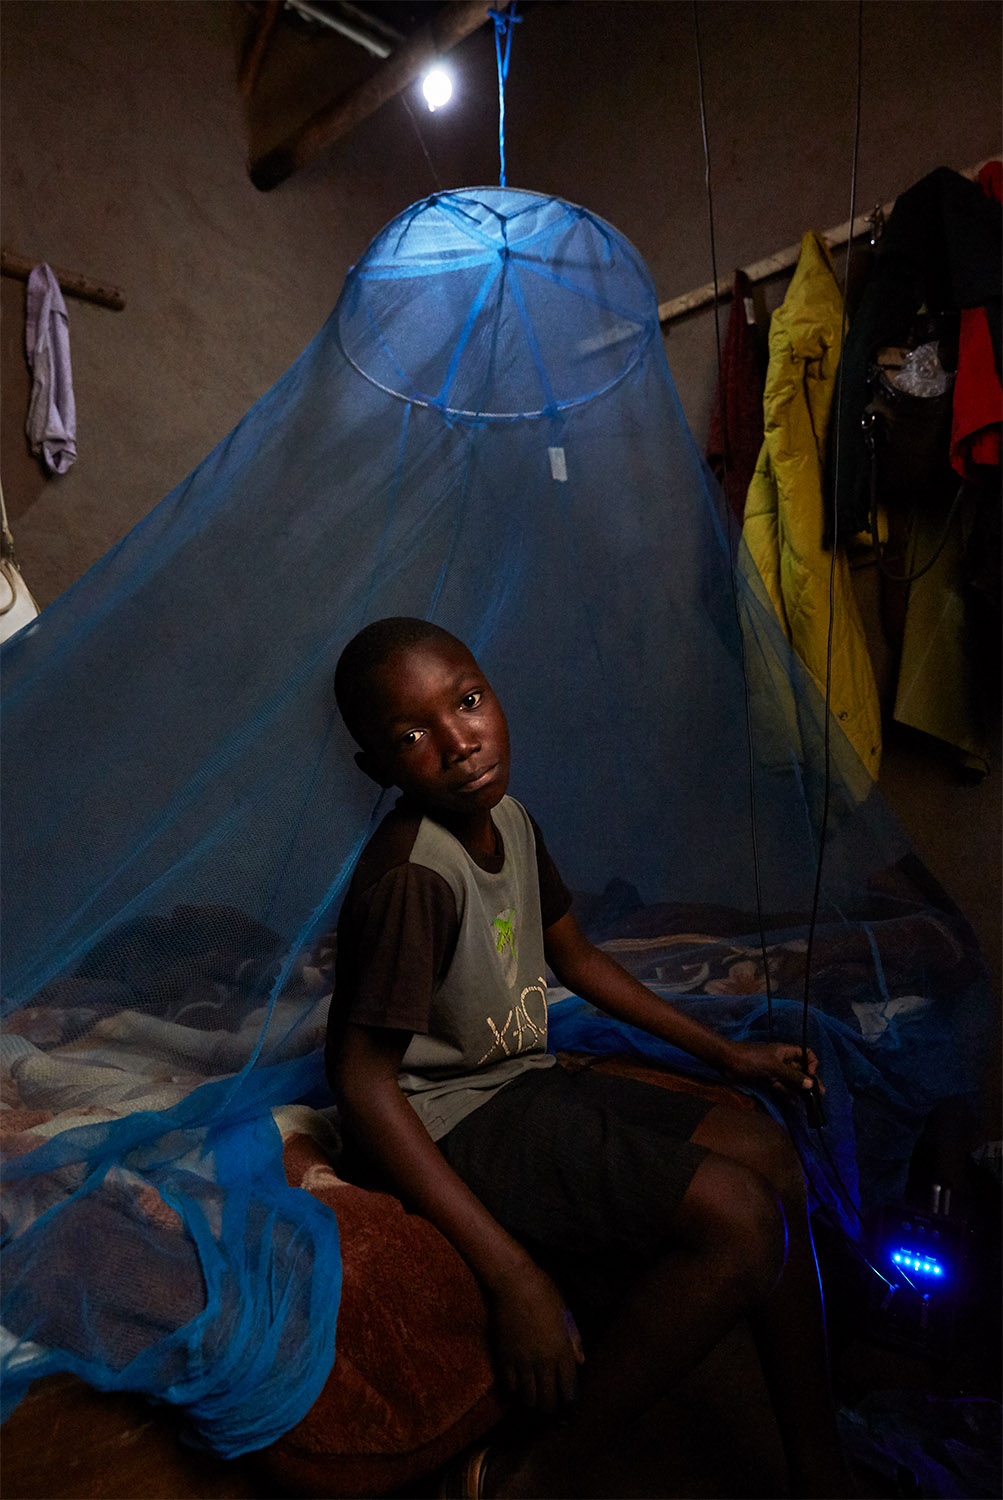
(538, 1346)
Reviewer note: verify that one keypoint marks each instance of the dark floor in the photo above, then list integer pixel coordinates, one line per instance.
(112, 1447)
(717, 1423)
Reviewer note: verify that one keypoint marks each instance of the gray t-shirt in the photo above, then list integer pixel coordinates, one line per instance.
(451, 949)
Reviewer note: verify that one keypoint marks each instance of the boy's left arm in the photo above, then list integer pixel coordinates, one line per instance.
(585, 970)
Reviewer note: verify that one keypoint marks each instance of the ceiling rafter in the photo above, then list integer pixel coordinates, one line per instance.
(446, 28)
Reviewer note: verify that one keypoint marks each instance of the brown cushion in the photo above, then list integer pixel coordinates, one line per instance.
(412, 1381)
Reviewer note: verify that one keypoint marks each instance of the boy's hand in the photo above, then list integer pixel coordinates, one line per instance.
(539, 1348)
(780, 1064)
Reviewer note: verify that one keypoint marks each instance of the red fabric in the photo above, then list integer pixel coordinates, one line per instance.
(990, 180)
(977, 420)
(736, 423)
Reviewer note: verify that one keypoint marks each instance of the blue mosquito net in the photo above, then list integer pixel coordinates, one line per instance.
(485, 432)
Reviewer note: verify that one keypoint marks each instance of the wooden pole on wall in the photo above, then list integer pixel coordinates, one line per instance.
(772, 265)
(71, 282)
(438, 36)
(258, 46)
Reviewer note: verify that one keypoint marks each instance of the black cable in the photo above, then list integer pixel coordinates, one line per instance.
(827, 783)
(841, 1186)
(881, 548)
(728, 528)
(847, 1238)
(421, 141)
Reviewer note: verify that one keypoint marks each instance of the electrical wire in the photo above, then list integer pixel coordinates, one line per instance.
(827, 780)
(728, 529)
(814, 1113)
(837, 433)
(421, 141)
(881, 548)
(836, 1175)
(847, 1238)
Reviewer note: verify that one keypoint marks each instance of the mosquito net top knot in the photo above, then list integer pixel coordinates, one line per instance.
(485, 434)
(545, 306)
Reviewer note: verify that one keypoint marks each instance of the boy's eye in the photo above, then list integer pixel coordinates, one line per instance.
(411, 738)
(471, 700)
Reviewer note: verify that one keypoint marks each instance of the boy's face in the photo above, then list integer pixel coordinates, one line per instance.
(436, 730)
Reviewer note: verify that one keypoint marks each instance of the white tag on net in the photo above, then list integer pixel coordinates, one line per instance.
(558, 466)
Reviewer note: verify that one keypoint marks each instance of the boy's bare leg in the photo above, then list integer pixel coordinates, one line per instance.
(724, 1258)
(789, 1329)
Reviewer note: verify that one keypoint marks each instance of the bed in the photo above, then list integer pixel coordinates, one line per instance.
(895, 1018)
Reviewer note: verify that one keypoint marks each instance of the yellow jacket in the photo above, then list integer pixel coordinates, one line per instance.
(784, 516)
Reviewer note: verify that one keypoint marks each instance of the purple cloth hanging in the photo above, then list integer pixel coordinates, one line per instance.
(52, 415)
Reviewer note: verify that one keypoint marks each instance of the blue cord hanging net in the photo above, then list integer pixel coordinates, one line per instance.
(485, 432)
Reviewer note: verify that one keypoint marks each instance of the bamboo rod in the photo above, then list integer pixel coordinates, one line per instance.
(264, 25)
(439, 35)
(375, 46)
(75, 285)
(772, 265)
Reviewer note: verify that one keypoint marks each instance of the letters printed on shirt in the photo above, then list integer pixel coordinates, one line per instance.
(525, 1024)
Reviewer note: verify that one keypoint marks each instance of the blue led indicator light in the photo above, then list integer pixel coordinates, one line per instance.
(926, 1264)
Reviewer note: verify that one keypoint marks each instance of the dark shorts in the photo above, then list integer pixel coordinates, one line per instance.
(586, 1170)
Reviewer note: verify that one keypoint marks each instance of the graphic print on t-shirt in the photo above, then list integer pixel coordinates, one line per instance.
(519, 1030)
(504, 936)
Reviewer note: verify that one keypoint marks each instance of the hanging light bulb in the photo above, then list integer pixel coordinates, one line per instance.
(437, 86)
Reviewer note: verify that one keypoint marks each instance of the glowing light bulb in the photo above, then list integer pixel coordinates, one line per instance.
(437, 87)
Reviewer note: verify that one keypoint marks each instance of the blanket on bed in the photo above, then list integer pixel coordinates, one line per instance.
(163, 1258)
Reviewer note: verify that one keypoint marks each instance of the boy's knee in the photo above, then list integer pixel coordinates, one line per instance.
(733, 1213)
(758, 1142)
(760, 1229)
(776, 1159)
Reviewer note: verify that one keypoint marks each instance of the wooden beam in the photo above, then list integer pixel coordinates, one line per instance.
(772, 265)
(438, 36)
(254, 56)
(70, 281)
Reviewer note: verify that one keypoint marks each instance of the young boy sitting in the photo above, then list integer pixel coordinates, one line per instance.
(650, 1217)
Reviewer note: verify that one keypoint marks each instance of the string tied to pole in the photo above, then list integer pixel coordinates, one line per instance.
(505, 21)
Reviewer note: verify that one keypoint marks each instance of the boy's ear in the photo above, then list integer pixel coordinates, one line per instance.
(370, 766)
